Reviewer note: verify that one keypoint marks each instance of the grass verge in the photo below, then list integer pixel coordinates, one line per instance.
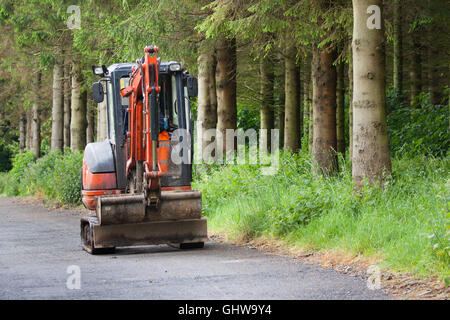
(405, 224)
(55, 176)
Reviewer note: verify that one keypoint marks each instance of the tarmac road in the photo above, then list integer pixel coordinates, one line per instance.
(37, 245)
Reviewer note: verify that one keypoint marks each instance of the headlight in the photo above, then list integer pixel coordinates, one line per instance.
(100, 70)
(175, 67)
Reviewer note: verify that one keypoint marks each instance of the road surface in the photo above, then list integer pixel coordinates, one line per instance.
(38, 245)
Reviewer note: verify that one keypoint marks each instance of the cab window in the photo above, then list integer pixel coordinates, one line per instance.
(111, 114)
(168, 104)
(125, 103)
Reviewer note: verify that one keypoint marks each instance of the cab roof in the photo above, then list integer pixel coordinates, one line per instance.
(126, 66)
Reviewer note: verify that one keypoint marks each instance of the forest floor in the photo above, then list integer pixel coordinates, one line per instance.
(43, 239)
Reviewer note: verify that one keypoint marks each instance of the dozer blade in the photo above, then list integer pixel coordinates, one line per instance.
(126, 220)
(120, 209)
(149, 233)
(173, 205)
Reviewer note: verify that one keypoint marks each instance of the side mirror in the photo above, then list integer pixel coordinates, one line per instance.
(192, 87)
(97, 92)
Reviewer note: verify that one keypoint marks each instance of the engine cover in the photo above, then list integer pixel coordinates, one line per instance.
(98, 173)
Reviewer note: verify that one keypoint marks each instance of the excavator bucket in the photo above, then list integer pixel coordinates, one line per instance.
(127, 220)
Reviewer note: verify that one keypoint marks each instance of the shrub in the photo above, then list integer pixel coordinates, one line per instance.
(55, 175)
(5, 181)
(247, 119)
(67, 178)
(419, 130)
(40, 175)
(21, 164)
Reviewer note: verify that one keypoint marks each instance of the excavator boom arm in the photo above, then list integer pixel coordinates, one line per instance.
(144, 116)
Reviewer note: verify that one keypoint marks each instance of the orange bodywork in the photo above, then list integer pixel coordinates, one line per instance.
(180, 188)
(97, 185)
(164, 152)
(88, 196)
(98, 181)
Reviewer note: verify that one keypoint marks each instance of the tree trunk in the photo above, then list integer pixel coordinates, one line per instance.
(371, 157)
(311, 127)
(83, 122)
(324, 100)
(280, 94)
(267, 101)
(299, 106)
(207, 100)
(415, 73)
(398, 47)
(22, 131)
(306, 97)
(340, 112)
(281, 122)
(311, 111)
(291, 104)
(90, 119)
(36, 121)
(67, 110)
(57, 138)
(226, 88)
(29, 135)
(433, 59)
(102, 121)
(350, 100)
(433, 75)
(78, 117)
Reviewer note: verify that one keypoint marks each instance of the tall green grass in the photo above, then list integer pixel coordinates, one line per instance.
(55, 175)
(405, 221)
(5, 180)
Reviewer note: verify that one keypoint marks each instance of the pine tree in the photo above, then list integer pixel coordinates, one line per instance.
(371, 157)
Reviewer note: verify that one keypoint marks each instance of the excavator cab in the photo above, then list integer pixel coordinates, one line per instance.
(137, 190)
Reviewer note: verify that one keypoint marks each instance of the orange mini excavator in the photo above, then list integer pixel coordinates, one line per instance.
(137, 183)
